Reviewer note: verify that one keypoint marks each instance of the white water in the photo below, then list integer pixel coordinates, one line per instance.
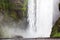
(47, 15)
(44, 18)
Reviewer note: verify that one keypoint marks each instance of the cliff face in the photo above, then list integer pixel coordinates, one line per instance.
(17, 9)
(13, 14)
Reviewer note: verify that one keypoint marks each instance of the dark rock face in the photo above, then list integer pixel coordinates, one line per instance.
(59, 6)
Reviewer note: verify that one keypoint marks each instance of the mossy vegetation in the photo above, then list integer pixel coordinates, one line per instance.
(14, 9)
(56, 29)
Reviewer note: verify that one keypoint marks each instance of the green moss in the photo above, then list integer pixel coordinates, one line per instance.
(56, 29)
(56, 35)
(9, 8)
(13, 15)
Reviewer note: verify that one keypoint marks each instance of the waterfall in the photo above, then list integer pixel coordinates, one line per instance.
(31, 18)
(39, 17)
